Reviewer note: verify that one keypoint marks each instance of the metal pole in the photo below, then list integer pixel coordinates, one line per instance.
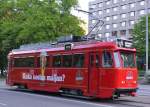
(146, 35)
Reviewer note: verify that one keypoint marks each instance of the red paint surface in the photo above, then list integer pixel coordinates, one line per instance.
(97, 81)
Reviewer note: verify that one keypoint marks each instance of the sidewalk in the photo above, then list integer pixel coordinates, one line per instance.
(143, 81)
(3, 83)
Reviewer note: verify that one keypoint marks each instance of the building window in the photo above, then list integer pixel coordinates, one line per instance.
(100, 35)
(114, 33)
(115, 17)
(124, 7)
(115, 9)
(123, 32)
(142, 12)
(142, 3)
(107, 10)
(132, 13)
(100, 4)
(123, 15)
(100, 12)
(115, 1)
(92, 6)
(107, 18)
(94, 13)
(107, 26)
(108, 2)
(131, 22)
(123, 24)
(107, 34)
(115, 25)
(93, 21)
(132, 5)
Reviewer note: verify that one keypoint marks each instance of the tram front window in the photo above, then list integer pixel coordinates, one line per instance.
(127, 59)
(116, 58)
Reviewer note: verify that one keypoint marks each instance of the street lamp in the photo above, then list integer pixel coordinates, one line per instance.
(146, 9)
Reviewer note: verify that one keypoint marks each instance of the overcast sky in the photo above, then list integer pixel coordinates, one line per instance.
(84, 6)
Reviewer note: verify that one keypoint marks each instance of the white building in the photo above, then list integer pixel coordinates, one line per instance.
(119, 16)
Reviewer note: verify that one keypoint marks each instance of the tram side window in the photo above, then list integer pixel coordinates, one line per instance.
(107, 59)
(78, 60)
(67, 60)
(24, 62)
(57, 61)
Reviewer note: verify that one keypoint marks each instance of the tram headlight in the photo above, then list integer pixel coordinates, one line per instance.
(134, 82)
(123, 82)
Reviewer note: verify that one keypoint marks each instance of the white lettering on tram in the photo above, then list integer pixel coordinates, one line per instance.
(27, 76)
(54, 77)
(38, 77)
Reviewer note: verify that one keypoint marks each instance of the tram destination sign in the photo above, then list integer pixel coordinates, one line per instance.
(124, 43)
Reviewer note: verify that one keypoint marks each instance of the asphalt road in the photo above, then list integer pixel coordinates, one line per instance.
(12, 97)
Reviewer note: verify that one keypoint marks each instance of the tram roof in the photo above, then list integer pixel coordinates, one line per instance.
(75, 46)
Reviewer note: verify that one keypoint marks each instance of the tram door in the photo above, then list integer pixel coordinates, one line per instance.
(93, 73)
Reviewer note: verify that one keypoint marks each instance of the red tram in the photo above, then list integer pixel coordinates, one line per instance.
(93, 68)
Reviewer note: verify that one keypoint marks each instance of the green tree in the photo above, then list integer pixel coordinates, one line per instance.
(139, 33)
(32, 21)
